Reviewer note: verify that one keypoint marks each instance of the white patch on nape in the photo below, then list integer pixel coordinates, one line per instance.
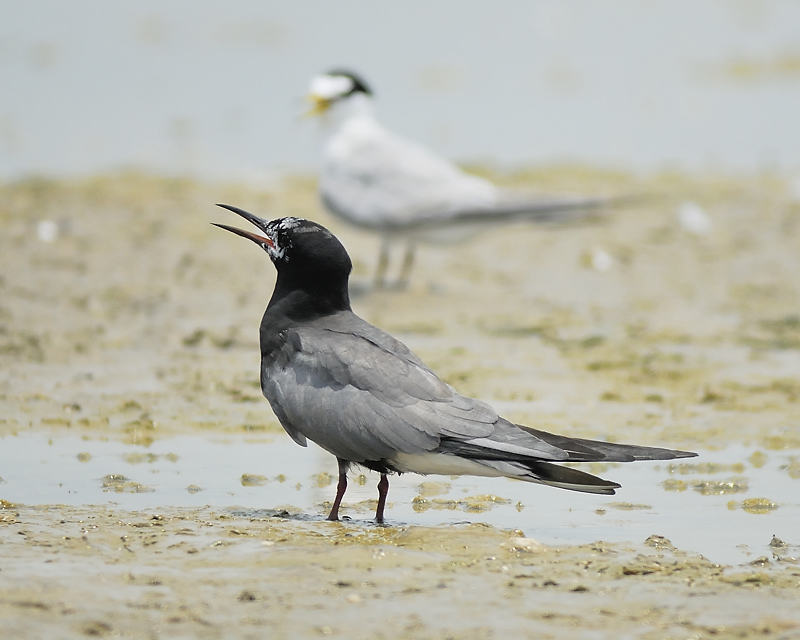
(289, 222)
(330, 87)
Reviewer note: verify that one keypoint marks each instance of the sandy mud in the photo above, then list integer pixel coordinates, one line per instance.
(144, 492)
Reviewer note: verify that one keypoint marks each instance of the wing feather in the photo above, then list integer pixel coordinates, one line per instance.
(364, 396)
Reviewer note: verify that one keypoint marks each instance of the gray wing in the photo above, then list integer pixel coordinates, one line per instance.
(363, 396)
(376, 179)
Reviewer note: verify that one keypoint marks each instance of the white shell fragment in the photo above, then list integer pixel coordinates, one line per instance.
(47, 231)
(601, 260)
(524, 545)
(693, 218)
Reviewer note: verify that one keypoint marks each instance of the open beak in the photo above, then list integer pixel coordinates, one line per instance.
(319, 105)
(264, 241)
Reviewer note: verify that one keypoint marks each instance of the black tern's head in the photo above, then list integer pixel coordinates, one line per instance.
(332, 87)
(306, 255)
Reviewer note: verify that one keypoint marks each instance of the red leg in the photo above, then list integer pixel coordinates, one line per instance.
(340, 489)
(383, 491)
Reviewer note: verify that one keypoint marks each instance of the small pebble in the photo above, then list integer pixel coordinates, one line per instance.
(693, 218)
(47, 231)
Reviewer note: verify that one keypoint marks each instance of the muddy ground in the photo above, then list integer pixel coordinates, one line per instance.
(125, 316)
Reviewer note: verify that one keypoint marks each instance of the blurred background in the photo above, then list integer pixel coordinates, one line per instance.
(214, 90)
(129, 356)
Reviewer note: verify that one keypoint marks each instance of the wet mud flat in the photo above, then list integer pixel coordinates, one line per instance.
(232, 573)
(128, 347)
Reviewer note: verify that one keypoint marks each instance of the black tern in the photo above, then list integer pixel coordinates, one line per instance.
(363, 396)
(380, 182)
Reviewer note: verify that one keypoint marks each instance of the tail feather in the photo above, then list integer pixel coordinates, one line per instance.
(552, 209)
(568, 478)
(540, 210)
(549, 210)
(518, 457)
(583, 450)
(631, 452)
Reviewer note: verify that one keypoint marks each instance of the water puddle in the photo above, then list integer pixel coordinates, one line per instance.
(727, 504)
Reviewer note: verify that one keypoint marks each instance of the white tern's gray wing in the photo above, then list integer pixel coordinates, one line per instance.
(375, 179)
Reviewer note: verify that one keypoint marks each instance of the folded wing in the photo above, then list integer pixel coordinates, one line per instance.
(363, 396)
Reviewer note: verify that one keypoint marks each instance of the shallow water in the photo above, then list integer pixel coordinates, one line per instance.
(268, 474)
